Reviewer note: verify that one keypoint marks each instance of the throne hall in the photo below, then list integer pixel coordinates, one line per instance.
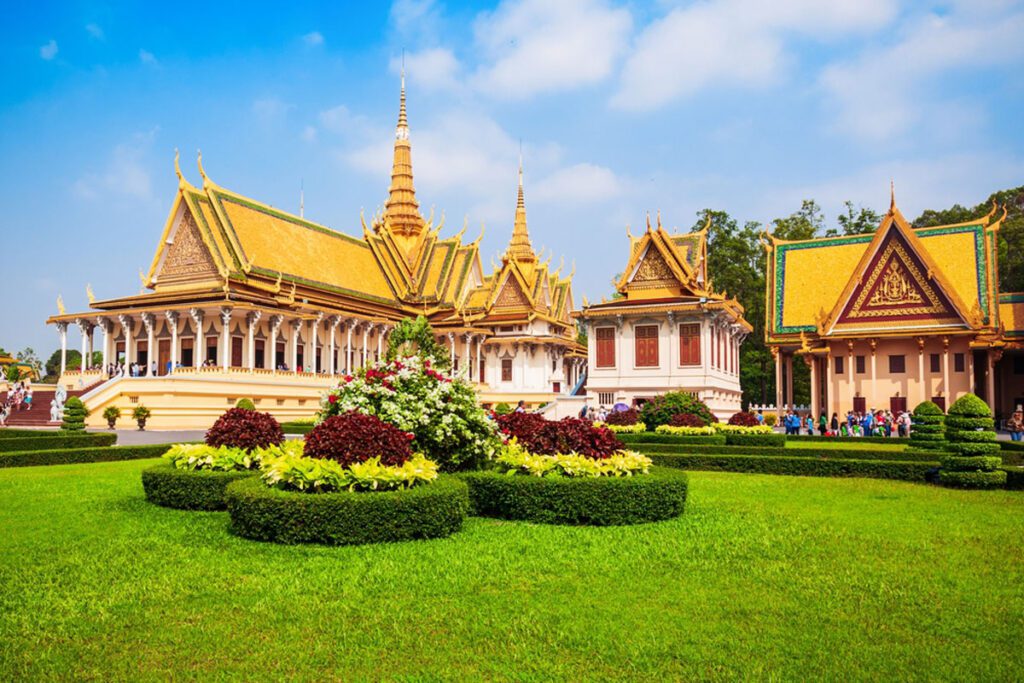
(245, 300)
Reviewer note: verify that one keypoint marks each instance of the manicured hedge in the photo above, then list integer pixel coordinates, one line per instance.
(263, 513)
(973, 480)
(969, 463)
(168, 486)
(75, 455)
(57, 440)
(826, 454)
(595, 501)
(293, 428)
(651, 437)
(961, 422)
(842, 439)
(760, 440)
(15, 433)
(808, 467)
(1012, 457)
(1014, 477)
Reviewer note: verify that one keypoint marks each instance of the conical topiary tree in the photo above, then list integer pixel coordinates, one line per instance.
(975, 465)
(74, 415)
(928, 427)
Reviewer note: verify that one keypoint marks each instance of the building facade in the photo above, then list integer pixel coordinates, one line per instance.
(243, 299)
(892, 318)
(666, 329)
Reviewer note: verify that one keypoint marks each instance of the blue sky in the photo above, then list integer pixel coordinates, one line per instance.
(740, 105)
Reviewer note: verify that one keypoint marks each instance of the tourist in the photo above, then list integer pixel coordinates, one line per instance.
(583, 413)
(822, 424)
(520, 407)
(1015, 425)
(835, 423)
(809, 421)
(867, 423)
(28, 400)
(760, 418)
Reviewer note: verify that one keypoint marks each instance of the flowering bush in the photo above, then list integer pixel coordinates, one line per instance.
(517, 460)
(739, 429)
(568, 435)
(245, 429)
(685, 431)
(744, 419)
(660, 409)
(353, 437)
(411, 394)
(635, 428)
(686, 420)
(317, 475)
(623, 417)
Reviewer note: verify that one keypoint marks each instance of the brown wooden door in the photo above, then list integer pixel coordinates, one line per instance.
(236, 352)
(940, 401)
(860, 404)
(163, 356)
(897, 405)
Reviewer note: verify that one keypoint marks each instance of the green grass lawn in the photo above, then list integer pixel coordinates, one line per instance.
(763, 578)
(862, 445)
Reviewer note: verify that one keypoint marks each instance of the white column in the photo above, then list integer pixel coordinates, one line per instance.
(874, 395)
(815, 407)
(380, 341)
(150, 322)
(126, 326)
(350, 325)
(271, 358)
(366, 334)
(199, 346)
(945, 372)
(333, 325)
(83, 326)
(479, 357)
(172, 322)
(103, 324)
(225, 334)
(922, 388)
(253, 319)
(314, 326)
(829, 394)
(451, 345)
(296, 326)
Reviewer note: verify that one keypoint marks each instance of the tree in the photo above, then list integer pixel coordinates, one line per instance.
(804, 224)
(416, 337)
(858, 222)
(73, 361)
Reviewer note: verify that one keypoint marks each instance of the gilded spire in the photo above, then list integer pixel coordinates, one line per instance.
(892, 195)
(401, 210)
(520, 248)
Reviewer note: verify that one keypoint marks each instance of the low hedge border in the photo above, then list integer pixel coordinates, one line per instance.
(842, 439)
(1014, 477)
(55, 441)
(807, 467)
(263, 513)
(594, 501)
(985, 463)
(77, 455)
(973, 480)
(759, 440)
(15, 433)
(653, 437)
(823, 454)
(292, 428)
(170, 487)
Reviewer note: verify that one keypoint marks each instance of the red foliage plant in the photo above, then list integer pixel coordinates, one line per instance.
(624, 417)
(245, 429)
(744, 419)
(569, 435)
(354, 437)
(686, 420)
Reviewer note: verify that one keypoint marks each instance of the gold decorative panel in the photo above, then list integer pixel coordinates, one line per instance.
(187, 257)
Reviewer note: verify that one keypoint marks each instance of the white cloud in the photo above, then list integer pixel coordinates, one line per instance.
(342, 121)
(731, 43)
(313, 38)
(309, 134)
(883, 92)
(271, 110)
(125, 174)
(430, 69)
(48, 51)
(579, 183)
(147, 57)
(96, 31)
(536, 46)
(416, 19)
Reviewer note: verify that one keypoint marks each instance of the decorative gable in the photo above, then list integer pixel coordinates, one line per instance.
(511, 294)
(186, 256)
(652, 271)
(897, 289)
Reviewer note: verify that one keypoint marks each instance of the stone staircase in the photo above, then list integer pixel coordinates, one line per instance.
(39, 416)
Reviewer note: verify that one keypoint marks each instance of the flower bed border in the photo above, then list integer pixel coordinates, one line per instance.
(170, 487)
(592, 501)
(263, 513)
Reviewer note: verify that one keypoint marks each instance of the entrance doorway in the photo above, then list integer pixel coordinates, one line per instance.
(897, 405)
(163, 356)
(236, 352)
(860, 404)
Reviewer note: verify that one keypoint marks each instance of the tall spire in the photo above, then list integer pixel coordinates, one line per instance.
(401, 210)
(892, 195)
(520, 248)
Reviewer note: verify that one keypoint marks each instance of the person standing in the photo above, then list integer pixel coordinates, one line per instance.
(822, 424)
(1015, 425)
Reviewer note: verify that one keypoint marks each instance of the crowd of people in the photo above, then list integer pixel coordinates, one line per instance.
(19, 397)
(868, 423)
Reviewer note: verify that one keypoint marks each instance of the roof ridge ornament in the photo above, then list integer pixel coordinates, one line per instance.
(892, 196)
(177, 168)
(199, 162)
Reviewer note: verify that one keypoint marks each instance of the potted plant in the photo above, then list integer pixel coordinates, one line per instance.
(110, 414)
(140, 414)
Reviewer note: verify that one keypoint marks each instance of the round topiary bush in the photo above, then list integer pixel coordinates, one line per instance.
(245, 404)
(928, 429)
(970, 405)
(264, 513)
(354, 437)
(744, 419)
(549, 437)
(597, 501)
(660, 409)
(245, 429)
(502, 409)
(623, 417)
(171, 487)
(74, 415)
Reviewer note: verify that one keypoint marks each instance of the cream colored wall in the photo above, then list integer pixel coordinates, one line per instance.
(886, 384)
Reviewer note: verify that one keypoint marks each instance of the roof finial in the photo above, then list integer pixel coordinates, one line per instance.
(892, 195)
(177, 167)
(648, 221)
(199, 161)
(402, 132)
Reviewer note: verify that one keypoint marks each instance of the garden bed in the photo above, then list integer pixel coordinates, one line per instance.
(263, 513)
(172, 487)
(597, 501)
(652, 437)
(74, 455)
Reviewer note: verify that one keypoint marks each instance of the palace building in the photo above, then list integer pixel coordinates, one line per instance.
(243, 299)
(666, 329)
(890, 319)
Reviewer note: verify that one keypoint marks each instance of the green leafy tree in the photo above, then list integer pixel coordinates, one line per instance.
(416, 337)
(74, 362)
(858, 221)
